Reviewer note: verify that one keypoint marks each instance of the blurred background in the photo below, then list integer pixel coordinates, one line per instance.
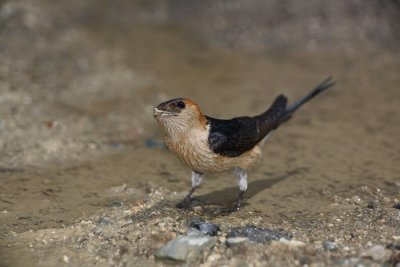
(80, 78)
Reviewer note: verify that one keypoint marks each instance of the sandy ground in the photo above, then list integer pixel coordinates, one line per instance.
(79, 146)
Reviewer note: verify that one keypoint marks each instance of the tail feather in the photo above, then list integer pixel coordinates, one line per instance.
(279, 111)
(290, 109)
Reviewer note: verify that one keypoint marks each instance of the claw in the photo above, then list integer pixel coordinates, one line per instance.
(187, 201)
(185, 204)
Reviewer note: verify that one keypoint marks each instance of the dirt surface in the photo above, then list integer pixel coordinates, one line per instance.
(87, 181)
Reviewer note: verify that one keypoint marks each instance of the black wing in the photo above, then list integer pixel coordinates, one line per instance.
(233, 137)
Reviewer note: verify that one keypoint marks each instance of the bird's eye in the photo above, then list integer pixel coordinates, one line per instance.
(180, 104)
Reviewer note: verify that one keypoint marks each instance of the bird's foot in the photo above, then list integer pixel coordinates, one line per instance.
(188, 202)
(185, 204)
(236, 206)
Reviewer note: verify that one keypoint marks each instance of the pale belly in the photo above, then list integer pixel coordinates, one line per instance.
(196, 153)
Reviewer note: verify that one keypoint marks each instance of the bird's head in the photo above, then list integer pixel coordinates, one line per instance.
(179, 115)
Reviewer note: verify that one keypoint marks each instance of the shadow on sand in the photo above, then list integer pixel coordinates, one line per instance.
(229, 195)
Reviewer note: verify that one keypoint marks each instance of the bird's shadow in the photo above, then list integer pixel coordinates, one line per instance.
(218, 198)
(228, 195)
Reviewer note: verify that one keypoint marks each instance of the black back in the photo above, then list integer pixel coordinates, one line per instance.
(233, 137)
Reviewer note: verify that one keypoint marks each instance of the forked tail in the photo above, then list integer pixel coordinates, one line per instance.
(279, 111)
(290, 109)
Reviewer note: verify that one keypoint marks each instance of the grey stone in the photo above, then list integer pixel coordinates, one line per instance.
(185, 248)
(205, 228)
(330, 246)
(258, 235)
(377, 253)
(104, 221)
(393, 246)
(236, 241)
(194, 231)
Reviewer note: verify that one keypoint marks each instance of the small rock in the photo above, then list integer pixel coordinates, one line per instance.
(214, 257)
(185, 248)
(222, 239)
(377, 253)
(104, 220)
(98, 230)
(194, 231)
(330, 246)
(291, 243)
(234, 241)
(372, 205)
(104, 227)
(205, 228)
(356, 200)
(116, 203)
(258, 235)
(395, 246)
(66, 259)
(397, 205)
(346, 248)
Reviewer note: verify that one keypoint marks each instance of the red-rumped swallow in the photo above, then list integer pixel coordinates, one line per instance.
(209, 145)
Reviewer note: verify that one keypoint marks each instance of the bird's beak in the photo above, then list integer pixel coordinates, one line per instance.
(157, 113)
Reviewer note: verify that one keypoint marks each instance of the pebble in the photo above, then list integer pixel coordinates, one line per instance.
(372, 205)
(222, 239)
(330, 246)
(193, 231)
(66, 259)
(395, 246)
(258, 235)
(396, 205)
(205, 228)
(290, 243)
(116, 203)
(185, 248)
(356, 200)
(104, 220)
(377, 253)
(234, 241)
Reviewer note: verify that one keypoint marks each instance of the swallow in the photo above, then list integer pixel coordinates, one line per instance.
(209, 145)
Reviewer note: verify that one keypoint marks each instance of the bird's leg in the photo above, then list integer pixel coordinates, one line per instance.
(197, 178)
(242, 175)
